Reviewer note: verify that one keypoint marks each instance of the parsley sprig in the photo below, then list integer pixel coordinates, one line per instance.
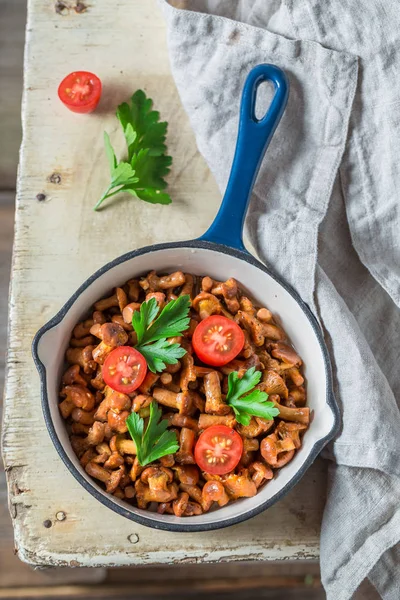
(244, 404)
(156, 441)
(142, 173)
(152, 332)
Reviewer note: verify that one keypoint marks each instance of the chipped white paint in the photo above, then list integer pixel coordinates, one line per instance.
(60, 241)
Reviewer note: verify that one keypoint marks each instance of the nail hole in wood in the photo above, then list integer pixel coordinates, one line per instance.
(80, 7)
(55, 178)
(60, 8)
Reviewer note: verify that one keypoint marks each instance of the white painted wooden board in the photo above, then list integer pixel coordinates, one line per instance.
(61, 241)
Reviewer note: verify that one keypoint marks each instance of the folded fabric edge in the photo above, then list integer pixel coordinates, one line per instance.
(358, 567)
(344, 456)
(188, 24)
(381, 576)
(173, 13)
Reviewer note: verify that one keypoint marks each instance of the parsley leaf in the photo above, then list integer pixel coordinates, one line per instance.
(149, 195)
(142, 174)
(145, 122)
(151, 169)
(244, 404)
(152, 332)
(160, 354)
(112, 159)
(172, 321)
(141, 319)
(156, 441)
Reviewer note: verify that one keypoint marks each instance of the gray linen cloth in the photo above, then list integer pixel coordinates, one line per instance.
(325, 214)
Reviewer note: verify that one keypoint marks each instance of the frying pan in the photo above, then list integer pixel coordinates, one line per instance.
(219, 253)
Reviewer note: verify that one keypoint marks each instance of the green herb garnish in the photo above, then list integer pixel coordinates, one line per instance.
(152, 332)
(160, 354)
(156, 441)
(244, 404)
(142, 174)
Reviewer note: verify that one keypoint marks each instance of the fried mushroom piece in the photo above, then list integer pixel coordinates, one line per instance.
(188, 373)
(118, 299)
(159, 297)
(247, 306)
(239, 485)
(206, 420)
(297, 415)
(264, 315)
(155, 485)
(112, 400)
(260, 472)
(97, 381)
(273, 383)
(192, 508)
(295, 376)
(195, 493)
(112, 335)
(228, 290)
(72, 375)
(187, 474)
(177, 420)
(180, 504)
(82, 329)
(252, 325)
(275, 452)
(188, 286)
(250, 445)
(206, 305)
(292, 431)
(133, 290)
(79, 396)
(153, 283)
(213, 491)
(82, 416)
(214, 403)
(82, 357)
(149, 381)
(128, 311)
(286, 353)
(298, 395)
(110, 479)
(165, 397)
(82, 342)
(184, 455)
(256, 427)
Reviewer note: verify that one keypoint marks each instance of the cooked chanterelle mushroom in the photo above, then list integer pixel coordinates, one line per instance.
(182, 394)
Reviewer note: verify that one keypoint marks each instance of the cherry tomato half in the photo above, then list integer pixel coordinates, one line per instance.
(124, 369)
(80, 91)
(217, 340)
(218, 450)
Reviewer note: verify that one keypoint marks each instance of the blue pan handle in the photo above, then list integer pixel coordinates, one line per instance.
(254, 136)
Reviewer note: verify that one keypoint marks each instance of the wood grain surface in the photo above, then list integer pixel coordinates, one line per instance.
(60, 241)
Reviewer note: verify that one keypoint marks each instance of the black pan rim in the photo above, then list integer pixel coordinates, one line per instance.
(106, 499)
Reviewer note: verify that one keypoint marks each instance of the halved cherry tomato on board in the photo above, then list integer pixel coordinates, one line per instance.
(80, 91)
(124, 369)
(217, 340)
(218, 450)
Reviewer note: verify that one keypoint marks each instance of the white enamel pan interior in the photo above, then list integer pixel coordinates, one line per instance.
(219, 254)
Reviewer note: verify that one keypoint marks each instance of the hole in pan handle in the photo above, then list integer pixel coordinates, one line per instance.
(254, 136)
